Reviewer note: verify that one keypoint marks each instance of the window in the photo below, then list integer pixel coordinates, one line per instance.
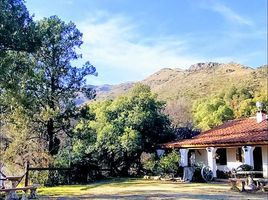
(238, 154)
(221, 158)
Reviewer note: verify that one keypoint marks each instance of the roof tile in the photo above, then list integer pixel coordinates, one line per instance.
(234, 132)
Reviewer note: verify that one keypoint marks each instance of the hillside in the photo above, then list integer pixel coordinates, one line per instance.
(111, 91)
(199, 81)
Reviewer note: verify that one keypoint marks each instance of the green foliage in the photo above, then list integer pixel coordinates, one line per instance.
(40, 88)
(165, 165)
(243, 101)
(121, 130)
(38, 177)
(17, 30)
(236, 103)
(211, 112)
(169, 164)
(151, 165)
(24, 145)
(56, 82)
(231, 81)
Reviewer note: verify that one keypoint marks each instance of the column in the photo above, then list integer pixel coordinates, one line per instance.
(184, 157)
(248, 155)
(265, 160)
(211, 152)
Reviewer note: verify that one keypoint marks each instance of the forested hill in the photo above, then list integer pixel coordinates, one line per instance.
(199, 81)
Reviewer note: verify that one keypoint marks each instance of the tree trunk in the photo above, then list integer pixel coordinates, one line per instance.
(53, 141)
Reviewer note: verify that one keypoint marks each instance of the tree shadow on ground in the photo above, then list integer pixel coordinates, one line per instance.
(163, 194)
(120, 182)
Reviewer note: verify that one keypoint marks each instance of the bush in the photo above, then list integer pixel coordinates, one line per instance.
(222, 174)
(149, 163)
(169, 164)
(244, 167)
(197, 177)
(166, 165)
(38, 177)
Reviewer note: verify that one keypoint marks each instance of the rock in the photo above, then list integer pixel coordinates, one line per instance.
(156, 177)
(146, 177)
(203, 66)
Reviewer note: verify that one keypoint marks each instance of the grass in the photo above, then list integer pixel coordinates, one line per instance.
(124, 188)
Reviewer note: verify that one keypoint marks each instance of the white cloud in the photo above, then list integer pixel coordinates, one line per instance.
(114, 43)
(228, 13)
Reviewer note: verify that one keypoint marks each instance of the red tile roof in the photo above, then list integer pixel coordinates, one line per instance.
(232, 133)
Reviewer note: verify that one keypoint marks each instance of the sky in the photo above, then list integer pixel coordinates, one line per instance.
(128, 40)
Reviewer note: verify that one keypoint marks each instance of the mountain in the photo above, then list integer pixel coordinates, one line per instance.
(111, 91)
(199, 81)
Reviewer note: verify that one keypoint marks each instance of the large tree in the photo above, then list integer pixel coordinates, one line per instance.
(41, 87)
(116, 132)
(18, 39)
(17, 29)
(56, 83)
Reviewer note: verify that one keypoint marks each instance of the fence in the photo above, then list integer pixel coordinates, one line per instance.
(71, 175)
(49, 169)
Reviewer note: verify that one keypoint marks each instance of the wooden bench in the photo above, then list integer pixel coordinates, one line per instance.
(262, 183)
(11, 192)
(234, 182)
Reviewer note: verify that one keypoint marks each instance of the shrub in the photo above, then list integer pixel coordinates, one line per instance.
(149, 163)
(244, 167)
(40, 177)
(222, 174)
(197, 177)
(166, 165)
(169, 164)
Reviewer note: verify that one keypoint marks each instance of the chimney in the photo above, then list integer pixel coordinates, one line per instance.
(261, 115)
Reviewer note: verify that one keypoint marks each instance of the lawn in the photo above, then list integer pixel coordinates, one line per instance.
(145, 189)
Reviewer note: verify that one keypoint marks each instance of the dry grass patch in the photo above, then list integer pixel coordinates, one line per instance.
(145, 189)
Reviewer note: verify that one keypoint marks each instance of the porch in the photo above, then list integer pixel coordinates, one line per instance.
(227, 158)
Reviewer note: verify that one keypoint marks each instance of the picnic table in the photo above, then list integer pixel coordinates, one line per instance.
(11, 192)
(248, 181)
(15, 180)
(249, 172)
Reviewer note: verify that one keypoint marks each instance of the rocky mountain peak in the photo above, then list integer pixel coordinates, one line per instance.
(203, 66)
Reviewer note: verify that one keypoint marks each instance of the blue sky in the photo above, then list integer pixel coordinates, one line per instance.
(127, 40)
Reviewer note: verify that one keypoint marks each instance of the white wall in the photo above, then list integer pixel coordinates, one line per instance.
(232, 163)
(231, 159)
(201, 156)
(264, 149)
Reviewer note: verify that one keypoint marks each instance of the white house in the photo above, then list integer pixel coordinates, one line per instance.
(227, 146)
